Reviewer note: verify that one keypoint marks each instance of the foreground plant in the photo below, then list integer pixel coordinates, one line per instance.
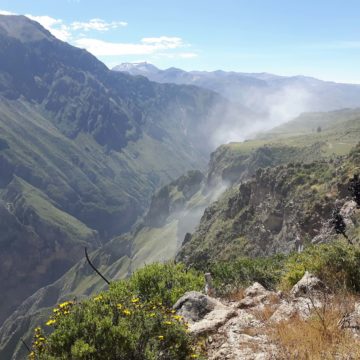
(132, 321)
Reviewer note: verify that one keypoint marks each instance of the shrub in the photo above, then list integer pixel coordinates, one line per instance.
(165, 282)
(232, 275)
(337, 264)
(133, 320)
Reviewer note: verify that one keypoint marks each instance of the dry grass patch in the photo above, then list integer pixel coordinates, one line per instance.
(236, 295)
(319, 337)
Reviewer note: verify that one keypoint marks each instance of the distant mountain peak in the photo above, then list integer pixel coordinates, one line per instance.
(137, 68)
(23, 29)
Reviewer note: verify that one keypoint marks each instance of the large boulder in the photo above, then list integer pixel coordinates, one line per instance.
(203, 313)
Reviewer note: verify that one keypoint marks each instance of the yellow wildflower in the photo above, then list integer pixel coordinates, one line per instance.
(194, 356)
(161, 337)
(152, 315)
(127, 312)
(64, 304)
(135, 300)
(50, 322)
(98, 298)
(119, 306)
(168, 323)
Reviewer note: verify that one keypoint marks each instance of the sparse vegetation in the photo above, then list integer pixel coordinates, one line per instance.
(319, 337)
(337, 264)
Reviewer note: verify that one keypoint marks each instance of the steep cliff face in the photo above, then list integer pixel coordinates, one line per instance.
(280, 209)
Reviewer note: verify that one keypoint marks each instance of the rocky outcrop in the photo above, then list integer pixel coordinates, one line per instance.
(203, 313)
(236, 330)
(308, 285)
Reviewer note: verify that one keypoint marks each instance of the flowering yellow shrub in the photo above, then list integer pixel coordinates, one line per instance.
(122, 323)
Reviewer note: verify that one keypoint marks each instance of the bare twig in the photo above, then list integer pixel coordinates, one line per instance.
(95, 269)
(26, 345)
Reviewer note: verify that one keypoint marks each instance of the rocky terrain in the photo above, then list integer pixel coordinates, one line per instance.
(245, 329)
(280, 209)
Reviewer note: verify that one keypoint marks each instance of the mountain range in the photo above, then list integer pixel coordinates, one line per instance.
(140, 168)
(275, 99)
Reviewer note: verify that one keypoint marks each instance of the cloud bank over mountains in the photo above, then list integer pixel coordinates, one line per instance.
(83, 34)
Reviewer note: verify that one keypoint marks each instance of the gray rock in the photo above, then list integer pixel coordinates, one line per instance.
(352, 321)
(301, 307)
(256, 295)
(309, 285)
(193, 306)
(203, 313)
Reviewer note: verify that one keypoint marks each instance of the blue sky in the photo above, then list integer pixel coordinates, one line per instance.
(316, 38)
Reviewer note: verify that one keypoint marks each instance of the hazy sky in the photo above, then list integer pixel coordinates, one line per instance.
(288, 37)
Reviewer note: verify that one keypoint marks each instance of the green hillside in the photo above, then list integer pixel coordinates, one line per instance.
(82, 150)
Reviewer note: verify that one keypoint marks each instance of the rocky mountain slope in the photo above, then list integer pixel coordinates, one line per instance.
(82, 149)
(281, 209)
(230, 227)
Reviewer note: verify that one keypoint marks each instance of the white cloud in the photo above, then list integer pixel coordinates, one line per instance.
(55, 26)
(5, 12)
(75, 33)
(64, 32)
(97, 24)
(164, 42)
(145, 47)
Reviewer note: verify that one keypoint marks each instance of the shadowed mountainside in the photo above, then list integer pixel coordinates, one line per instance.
(82, 149)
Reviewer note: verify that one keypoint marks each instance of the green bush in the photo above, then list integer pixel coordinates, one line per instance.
(232, 275)
(165, 282)
(337, 264)
(133, 320)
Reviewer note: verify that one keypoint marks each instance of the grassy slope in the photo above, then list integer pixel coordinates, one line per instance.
(340, 130)
(296, 141)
